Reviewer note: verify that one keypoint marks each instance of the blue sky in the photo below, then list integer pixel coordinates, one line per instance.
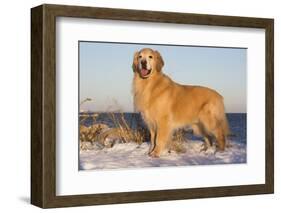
(106, 73)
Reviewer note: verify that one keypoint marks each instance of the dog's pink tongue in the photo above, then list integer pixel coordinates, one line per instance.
(144, 72)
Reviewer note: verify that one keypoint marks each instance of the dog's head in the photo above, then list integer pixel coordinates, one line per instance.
(147, 62)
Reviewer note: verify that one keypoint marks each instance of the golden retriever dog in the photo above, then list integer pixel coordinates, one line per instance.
(167, 106)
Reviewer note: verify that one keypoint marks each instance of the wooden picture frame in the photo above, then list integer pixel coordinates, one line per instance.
(43, 105)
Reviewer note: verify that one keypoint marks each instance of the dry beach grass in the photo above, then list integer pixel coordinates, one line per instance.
(121, 131)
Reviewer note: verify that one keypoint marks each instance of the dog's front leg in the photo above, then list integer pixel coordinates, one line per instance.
(161, 140)
(152, 139)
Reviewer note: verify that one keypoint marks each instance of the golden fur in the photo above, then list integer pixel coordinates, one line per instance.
(166, 105)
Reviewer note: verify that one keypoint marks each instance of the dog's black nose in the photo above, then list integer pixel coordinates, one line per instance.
(143, 62)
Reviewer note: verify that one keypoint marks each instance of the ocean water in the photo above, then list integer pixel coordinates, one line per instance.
(237, 123)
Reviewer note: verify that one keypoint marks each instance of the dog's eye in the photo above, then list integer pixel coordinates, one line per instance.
(150, 56)
(140, 56)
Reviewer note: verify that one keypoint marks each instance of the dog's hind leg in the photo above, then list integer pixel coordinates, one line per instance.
(214, 129)
(207, 143)
(199, 130)
(220, 137)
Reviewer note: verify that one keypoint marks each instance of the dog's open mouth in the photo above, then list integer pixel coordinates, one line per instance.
(145, 72)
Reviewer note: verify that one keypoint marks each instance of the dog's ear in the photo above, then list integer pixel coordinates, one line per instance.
(135, 61)
(159, 61)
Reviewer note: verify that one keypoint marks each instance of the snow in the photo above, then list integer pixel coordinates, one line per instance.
(133, 155)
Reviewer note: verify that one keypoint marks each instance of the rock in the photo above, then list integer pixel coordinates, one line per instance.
(85, 145)
(109, 142)
(91, 133)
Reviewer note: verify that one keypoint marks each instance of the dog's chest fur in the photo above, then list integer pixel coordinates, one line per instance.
(142, 93)
(146, 95)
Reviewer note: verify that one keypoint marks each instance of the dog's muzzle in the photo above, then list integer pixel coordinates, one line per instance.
(144, 70)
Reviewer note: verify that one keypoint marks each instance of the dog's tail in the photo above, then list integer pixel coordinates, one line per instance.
(225, 126)
(226, 129)
(223, 121)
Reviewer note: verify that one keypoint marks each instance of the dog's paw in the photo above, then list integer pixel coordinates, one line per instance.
(204, 148)
(207, 150)
(154, 154)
